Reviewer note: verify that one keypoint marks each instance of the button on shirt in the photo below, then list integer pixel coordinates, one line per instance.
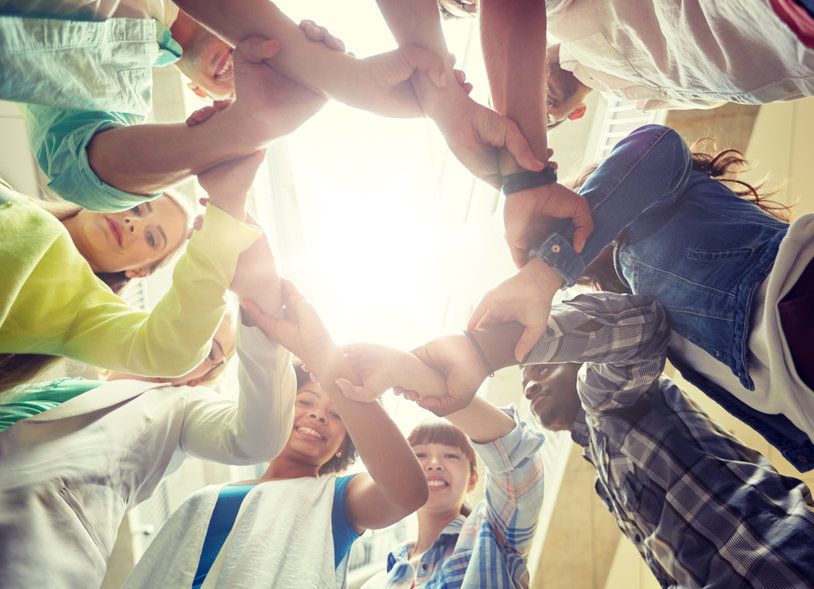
(489, 548)
(80, 77)
(702, 509)
(682, 53)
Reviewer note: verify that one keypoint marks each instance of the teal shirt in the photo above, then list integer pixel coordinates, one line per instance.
(41, 397)
(78, 78)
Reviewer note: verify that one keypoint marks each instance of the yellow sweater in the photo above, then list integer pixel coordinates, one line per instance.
(52, 303)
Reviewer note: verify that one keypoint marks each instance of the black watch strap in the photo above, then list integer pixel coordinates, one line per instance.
(525, 180)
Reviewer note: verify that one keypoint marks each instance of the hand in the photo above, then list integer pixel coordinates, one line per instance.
(268, 104)
(319, 34)
(459, 362)
(300, 329)
(204, 114)
(382, 368)
(527, 217)
(228, 183)
(256, 278)
(525, 297)
(474, 133)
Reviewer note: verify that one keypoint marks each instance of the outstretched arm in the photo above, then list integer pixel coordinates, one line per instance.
(395, 486)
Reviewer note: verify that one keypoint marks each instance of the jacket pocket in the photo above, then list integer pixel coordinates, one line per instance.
(740, 253)
(72, 502)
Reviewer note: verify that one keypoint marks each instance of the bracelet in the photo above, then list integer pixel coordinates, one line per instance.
(479, 350)
(525, 180)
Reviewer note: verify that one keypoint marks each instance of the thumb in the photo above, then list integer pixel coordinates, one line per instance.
(526, 342)
(425, 61)
(520, 149)
(255, 49)
(267, 324)
(355, 392)
(583, 225)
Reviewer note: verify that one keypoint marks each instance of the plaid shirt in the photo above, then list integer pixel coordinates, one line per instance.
(488, 548)
(702, 509)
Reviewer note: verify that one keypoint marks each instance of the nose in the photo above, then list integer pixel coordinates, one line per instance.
(433, 464)
(318, 416)
(131, 225)
(533, 388)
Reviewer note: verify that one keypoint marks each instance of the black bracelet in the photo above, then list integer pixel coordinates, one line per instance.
(525, 180)
(479, 350)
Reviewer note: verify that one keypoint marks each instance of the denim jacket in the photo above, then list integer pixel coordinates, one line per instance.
(697, 247)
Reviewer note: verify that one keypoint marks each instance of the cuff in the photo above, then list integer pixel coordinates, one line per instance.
(220, 241)
(557, 252)
(509, 452)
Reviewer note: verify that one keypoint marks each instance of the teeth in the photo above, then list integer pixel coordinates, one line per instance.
(309, 432)
(437, 484)
(225, 68)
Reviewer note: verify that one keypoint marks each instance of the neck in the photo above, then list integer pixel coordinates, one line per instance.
(430, 526)
(286, 467)
(73, 225)
(184, 29)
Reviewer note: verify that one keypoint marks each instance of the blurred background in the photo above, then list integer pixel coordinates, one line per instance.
(394, 242)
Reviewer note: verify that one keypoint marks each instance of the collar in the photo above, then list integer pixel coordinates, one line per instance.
(169, 50)
(450, 532)
(579, 431)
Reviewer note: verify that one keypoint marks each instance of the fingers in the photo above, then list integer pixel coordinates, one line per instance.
(355, 392)
(531, 335)
(255, 49)
(520, 149)
(583, 224)
(478, 314)
(460, 78)
(256, 317)
(425, 61)
(320, 34)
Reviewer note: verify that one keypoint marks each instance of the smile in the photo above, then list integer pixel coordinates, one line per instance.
(437, 484)
(225, 70)
(310, 433)
(114, 229)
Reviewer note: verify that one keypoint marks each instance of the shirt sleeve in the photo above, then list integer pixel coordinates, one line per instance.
(60, 140)
(647, 169)
(175, 336)
(343, 533)
(621, 340)
(257, 427)
(514, 484)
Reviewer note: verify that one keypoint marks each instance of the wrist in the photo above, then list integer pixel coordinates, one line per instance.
(546, 278)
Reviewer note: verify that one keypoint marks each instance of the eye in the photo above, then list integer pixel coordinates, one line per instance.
(420, 455)
(453, 456)
(150, 239)
(335, 416)
(136, 210)
(304, 403)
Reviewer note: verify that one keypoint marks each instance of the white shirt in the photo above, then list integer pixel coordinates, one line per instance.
(68, 475)
(682, 53)
(164, 11)
(778, 387)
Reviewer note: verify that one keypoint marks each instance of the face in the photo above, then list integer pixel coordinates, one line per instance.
(318, 431)
(448, 476)
(134, 240)
(564, 92)
(222, 348)
(552, 391)
(207, 62)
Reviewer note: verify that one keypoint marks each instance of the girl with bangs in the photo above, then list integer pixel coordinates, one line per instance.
(486, 546)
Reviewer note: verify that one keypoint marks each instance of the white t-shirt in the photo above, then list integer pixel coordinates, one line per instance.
(778, 387)
(682, 53)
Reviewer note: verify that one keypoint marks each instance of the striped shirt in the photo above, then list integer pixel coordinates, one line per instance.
(702, 509)
(488, 548)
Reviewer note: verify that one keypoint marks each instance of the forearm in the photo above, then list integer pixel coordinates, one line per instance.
(513, 37)
(150, 158)
(482, 421)
(647, 169)
(387, 456)
(312, 64)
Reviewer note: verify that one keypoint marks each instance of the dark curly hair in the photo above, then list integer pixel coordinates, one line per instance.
(348, 450)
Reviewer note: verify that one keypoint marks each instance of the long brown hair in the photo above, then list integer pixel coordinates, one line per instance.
(724, 167)
(437, 431)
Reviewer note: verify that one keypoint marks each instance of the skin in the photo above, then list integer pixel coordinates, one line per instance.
(552, 392)
(132, 241)
(222, 349)
(206, 60)
(565, 93)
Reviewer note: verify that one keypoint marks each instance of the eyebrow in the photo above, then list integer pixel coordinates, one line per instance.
(163, 236)
(316, 394)
(149, 206)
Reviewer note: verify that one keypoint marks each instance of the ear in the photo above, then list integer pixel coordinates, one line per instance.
(578, 113)
(473, 481)
(197, 90)
(137, 273)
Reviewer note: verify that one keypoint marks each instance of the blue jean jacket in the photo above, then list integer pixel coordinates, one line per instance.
(696, 246)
